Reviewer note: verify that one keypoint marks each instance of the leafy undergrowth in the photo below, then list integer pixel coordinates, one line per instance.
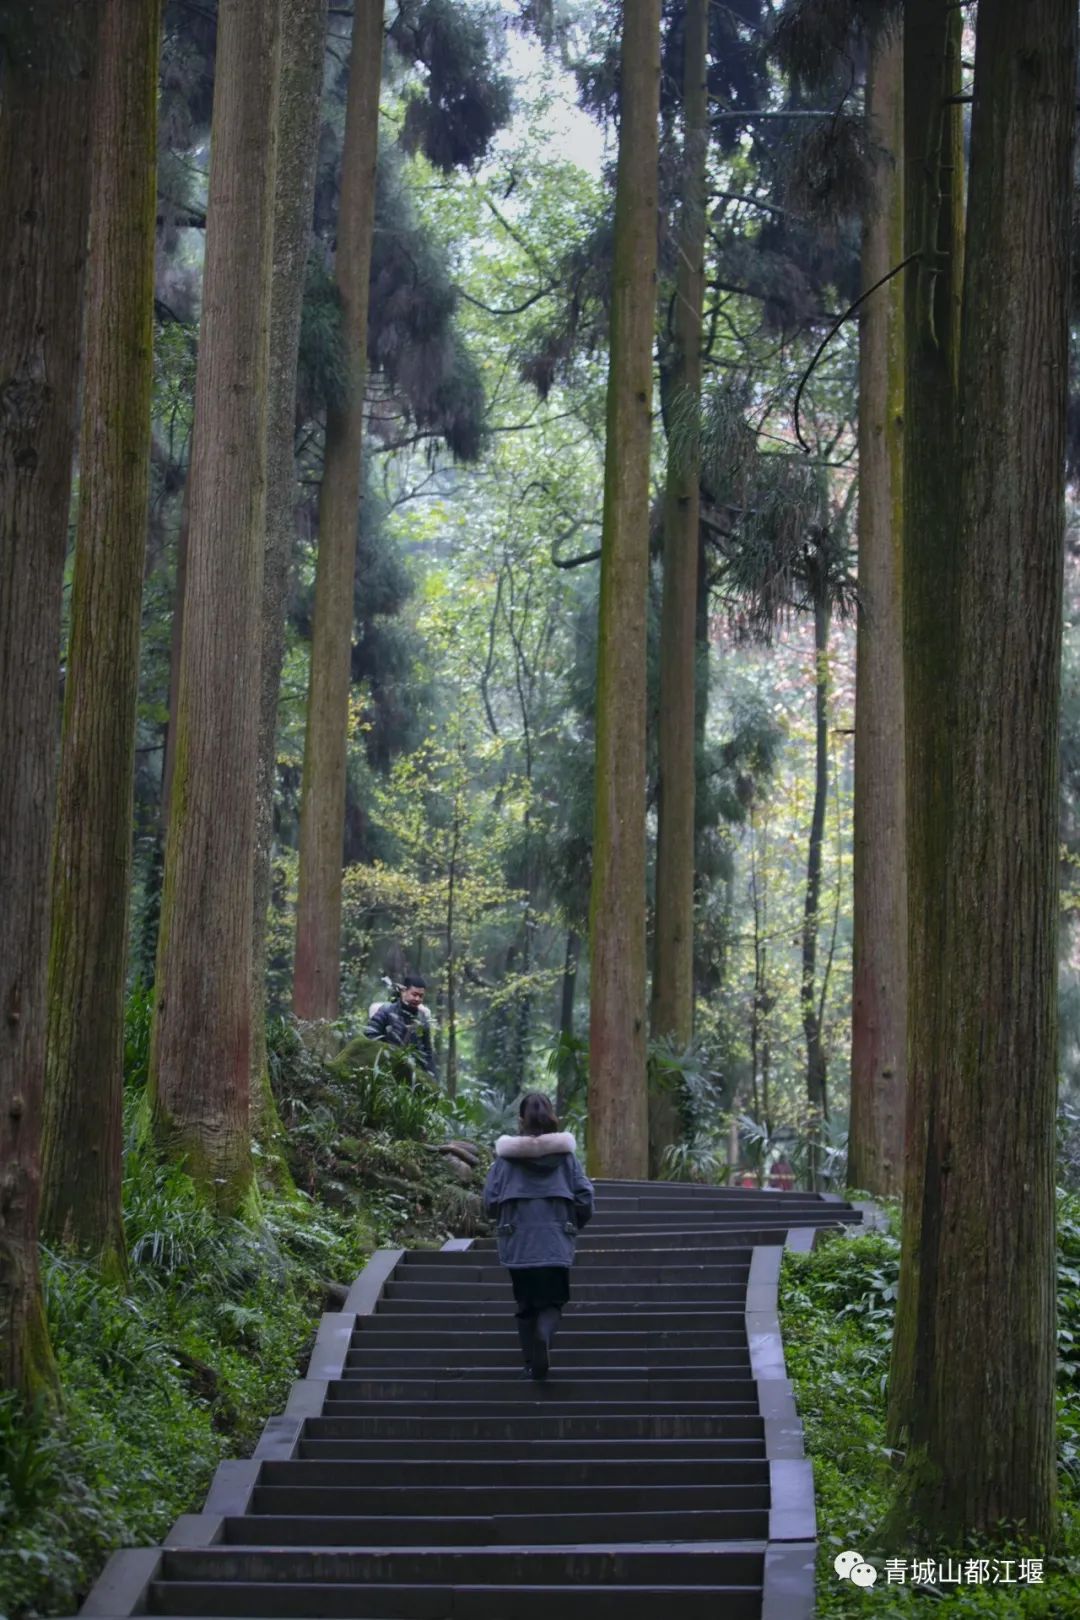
(363, 1129)
(166, 1375)
(837, 1307)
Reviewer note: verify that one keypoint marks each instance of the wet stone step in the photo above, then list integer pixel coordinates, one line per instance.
(723, 1431)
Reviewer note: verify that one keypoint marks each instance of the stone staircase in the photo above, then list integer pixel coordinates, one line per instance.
(417, 1475)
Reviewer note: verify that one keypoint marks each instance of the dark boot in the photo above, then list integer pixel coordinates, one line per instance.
(526, 1326)
(547, 1320)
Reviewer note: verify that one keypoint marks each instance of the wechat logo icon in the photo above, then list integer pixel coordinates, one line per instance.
(851, 1566)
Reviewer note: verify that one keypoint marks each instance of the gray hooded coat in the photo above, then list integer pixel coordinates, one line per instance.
(540, 1198)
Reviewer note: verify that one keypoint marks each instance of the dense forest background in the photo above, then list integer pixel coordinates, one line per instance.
(469, 788)
(473, 662)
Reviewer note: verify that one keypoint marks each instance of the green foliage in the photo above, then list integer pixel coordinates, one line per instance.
(160, 1379)
(366, 1086)
(138, 1019)
(837, 1312)
(361, 1128)
(465, 102)
(322, 377)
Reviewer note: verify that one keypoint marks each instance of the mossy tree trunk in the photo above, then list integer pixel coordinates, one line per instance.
(176, 641)
(303, 42)
(201, 1040)
(92, 854)
(673, 950)
(879, 988)
(317, 973)
(618, 1102)
(980, 1441)
(44, 187)
(933, 228)
(810, 1007)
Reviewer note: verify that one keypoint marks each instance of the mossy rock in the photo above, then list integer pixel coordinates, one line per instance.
(362, 1053)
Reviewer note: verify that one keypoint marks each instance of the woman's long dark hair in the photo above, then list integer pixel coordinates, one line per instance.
(536, 1116)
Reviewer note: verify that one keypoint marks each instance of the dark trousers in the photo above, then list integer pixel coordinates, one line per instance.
(538, 1286)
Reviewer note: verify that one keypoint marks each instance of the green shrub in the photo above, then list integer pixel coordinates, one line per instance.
(837, 1310)
(160, 1379)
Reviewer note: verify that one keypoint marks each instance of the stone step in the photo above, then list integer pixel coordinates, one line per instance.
(490, 1442)
(612, 1295)
(287, 1526)
(500, 1333)
(660, 1258)
(459, 1473)
(543, 1424)
(675, 1363)
(411, 1270)
(572, 1385)
(366, 1601)
(318, 1504)
(386, 1452)
(595, 1565)
(584, 1316)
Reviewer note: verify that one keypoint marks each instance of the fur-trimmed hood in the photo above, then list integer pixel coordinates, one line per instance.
(534, 1147)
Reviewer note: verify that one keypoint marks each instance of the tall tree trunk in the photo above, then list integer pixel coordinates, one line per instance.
(451, 964)
(976, 1454)
(44, 187)
(879, 987)
(201, 1041)
(303, 41)
(673, 959)
(566, 1014)
(933, 228)
(82, 1131)
(618, 1100)
(176, 641)
(317, 973)
(816, 1068)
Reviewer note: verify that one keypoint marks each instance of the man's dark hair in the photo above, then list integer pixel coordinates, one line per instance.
(414, 981)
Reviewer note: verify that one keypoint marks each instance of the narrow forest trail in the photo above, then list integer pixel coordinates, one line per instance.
(415, 1474)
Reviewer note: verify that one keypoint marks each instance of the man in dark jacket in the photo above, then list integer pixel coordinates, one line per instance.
(406, 1022)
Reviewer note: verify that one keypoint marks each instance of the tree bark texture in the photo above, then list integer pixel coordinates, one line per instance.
(618, 1102)
(92, 855)
(816, 1066)
(673, 949)
(201, 1040)
(879, 986)
(933, 228)
(977, 1453)
(566, 1013)
(299, 97)
(44, 185)
(317, 972)
(176, 641)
